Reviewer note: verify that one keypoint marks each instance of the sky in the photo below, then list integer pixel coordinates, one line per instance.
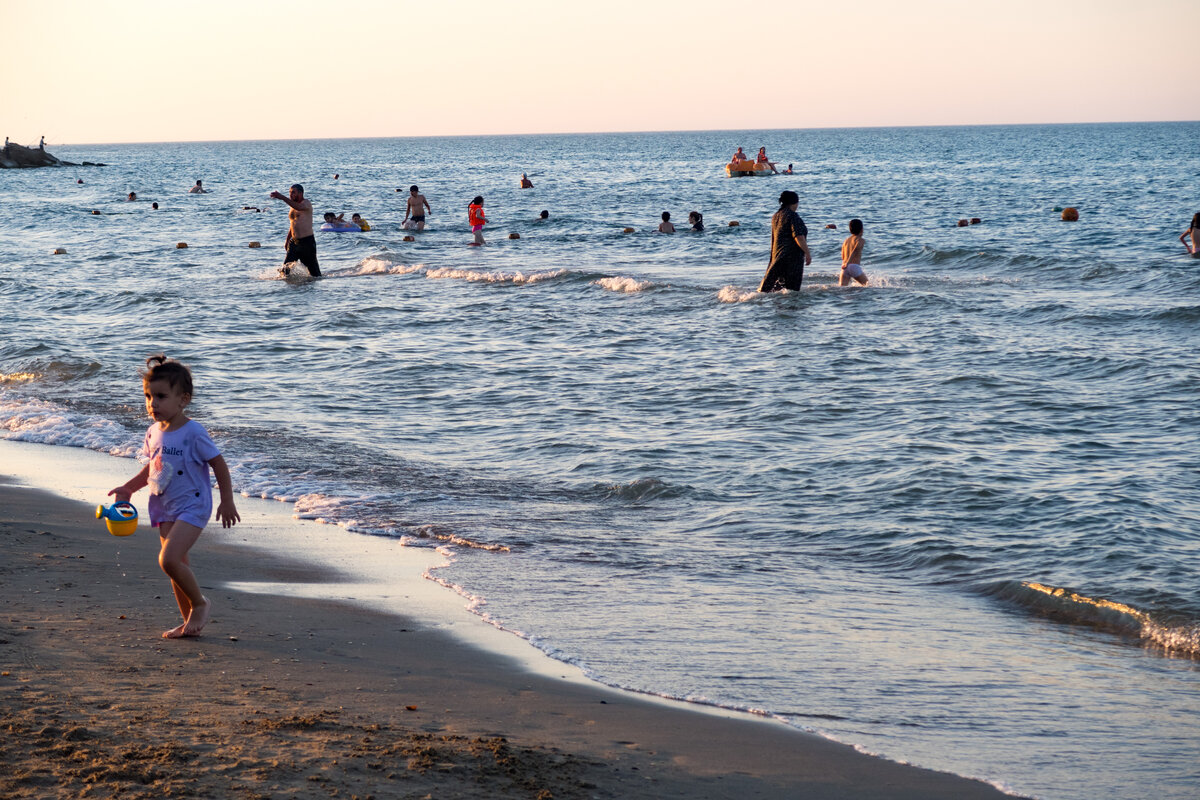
(139, 71)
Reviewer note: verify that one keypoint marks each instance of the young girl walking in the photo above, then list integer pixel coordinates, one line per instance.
(178, 453)
(476, 219)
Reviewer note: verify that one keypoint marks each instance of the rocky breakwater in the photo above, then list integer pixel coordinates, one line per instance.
(15, 156)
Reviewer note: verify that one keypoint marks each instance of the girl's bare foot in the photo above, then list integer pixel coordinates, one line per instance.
(197, 619)
(175, 632)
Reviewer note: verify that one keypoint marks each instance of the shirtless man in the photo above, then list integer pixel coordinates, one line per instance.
(417, 206)
(198, 188)
(300, 243)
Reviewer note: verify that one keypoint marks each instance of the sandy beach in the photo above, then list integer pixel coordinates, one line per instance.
(286, 697)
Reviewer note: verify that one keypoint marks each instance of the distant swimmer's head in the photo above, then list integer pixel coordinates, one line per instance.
(788, 198)
(132, 196)
(154, 206)
(1196, 221)
(296, 192)
(478, 201)
(544, 215)
(694, 217)
(329, 217)
(856, 227)
(199, 183)
(413, 189)
(666, 216)
(79, 181)
(355, 217)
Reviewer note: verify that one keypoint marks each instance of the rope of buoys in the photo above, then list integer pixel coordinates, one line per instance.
(962, 223)
(181, 246)
(734, 224)
(627, 230)
(514, 236)
(255, 244)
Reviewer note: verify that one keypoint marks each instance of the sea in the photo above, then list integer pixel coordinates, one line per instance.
(951, 518)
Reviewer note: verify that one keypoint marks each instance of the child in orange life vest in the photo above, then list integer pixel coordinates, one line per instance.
(476, 219)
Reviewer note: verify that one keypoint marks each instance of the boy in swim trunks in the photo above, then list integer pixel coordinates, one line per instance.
(416, 208)
(851, 256)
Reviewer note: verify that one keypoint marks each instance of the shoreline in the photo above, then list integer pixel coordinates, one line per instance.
(338, 695)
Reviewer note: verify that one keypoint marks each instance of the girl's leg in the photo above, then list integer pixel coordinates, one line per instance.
(177, 539)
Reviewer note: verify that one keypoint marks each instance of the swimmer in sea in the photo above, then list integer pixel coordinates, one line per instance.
(362, 224)
(665, 226)
(542, 217)
(696, 220)
(852, 256)
(525, 182)
(416, 208)
(301, 244)
(132, 197)
(154, 206)
(1193, 233)
(198, 188)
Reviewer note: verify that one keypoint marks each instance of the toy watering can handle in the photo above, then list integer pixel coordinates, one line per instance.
(119, 511)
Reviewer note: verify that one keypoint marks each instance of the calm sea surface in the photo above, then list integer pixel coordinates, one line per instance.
(952, 518)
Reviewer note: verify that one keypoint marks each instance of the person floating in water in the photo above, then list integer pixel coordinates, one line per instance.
(665, 226)
(132, 197)
(300, 243)
(525, 182)
(1193, 233)
(789, 247)
(362, 224)
(416, 209)
(852, 256)
(476, 219)
(696, 219)
(542, 217)
(788, 171)
(198, 188)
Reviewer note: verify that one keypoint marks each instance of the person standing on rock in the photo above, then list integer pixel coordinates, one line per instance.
(301, 244)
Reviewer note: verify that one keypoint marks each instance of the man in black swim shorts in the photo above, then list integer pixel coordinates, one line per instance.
(415, 211)
(301, 244)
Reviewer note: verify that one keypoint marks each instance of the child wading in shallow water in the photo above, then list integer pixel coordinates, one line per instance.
(178, 453)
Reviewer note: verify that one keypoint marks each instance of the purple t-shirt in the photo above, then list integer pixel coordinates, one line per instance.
(180, 486)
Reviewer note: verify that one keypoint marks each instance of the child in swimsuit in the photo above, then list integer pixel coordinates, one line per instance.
(178, 454)
(476, 219)
(1193, 233)
(851, 256)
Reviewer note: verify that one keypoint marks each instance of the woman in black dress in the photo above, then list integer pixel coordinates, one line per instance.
(789, 247)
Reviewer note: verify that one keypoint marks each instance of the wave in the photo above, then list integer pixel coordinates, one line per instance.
(736, 294)
(515, 277)
(640, 490)
(25, 419)
(624, 284)
(1065, 605)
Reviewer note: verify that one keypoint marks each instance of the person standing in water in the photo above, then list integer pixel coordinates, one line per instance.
(476, 219)
(852, 256)
(300, 243)
(1193, 233)
(789, 247)
(416, 209)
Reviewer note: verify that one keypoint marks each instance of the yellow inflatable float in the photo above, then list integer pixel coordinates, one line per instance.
(742, 169)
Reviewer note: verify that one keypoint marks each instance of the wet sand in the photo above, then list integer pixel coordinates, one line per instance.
(287, 697)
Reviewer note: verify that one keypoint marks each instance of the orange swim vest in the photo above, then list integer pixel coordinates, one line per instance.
(475, 215)
(762, 157)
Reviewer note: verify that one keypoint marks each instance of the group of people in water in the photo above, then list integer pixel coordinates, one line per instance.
(739, 157)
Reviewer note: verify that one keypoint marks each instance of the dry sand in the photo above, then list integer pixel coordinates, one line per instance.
(284, 697)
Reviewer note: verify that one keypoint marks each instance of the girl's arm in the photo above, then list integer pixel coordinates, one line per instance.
(127, 489)
(226, 510)
(1185, 235)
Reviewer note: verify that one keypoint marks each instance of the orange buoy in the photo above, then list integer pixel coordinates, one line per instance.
(962, 223)
(255, 244)
(1070, 214)
(58, 251)
(514, 236)
(831, 227)
(181, 246)
(734, 224)
(94, 211)
(410, 238)
(975, 220)
(628, 230)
